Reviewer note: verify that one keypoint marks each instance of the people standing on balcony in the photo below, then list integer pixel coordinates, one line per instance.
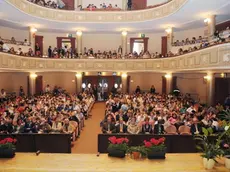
(21, 91)
(119, 51)
(152, 89)
(129, 4)
(50, 52)
(37, 50)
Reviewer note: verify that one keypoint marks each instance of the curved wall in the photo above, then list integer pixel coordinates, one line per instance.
(212, 58)
(108, 16)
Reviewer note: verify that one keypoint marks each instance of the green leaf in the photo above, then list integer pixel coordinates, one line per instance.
(205, 131)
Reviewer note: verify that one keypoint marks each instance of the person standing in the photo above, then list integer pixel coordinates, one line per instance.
(129, 4)
(50, 52)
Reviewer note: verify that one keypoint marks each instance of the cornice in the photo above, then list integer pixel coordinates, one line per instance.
(97, 16)
(212, 58)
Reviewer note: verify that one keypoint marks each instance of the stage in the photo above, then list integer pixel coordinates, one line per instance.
(91, 163)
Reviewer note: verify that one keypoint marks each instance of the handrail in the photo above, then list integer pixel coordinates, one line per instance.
(214, 57)
(102, 16)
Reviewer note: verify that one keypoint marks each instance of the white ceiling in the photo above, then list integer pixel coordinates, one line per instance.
(190, 16)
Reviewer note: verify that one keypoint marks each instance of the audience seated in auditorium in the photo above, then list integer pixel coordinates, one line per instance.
(151, 113)
(51, 112)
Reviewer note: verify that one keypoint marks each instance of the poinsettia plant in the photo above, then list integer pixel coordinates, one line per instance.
(118, 143)
(8, 143)
(155, 145)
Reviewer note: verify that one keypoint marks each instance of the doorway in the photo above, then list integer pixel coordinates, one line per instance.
(138, 44)
(104, 85)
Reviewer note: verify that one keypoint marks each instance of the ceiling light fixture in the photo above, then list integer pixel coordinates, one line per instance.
(124, 33)
(79, 33)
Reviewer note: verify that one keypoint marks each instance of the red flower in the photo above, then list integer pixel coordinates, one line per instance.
(113, 140)
(120, 140)
(147, 144)
(126, 140)
(8, 140)
(162, 140)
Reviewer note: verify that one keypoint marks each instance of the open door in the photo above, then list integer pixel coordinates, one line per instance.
(164, 85)
(39, 85)
(39, 40)
(164, 45)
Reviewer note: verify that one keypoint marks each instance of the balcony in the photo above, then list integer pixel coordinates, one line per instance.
(97, 16)
(212, 58)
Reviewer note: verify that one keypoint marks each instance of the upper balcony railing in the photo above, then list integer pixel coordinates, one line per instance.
(98, 16)
(211, 58)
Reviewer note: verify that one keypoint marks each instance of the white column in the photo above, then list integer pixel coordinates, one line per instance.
(79, 42)
(168, 77)
(169, 32)
(77, 3)
(210, 79)
(32, 34)
(124, 82)
(124, 43)
(211, 23)
(32, 83)
(124, 5)
(78, 82)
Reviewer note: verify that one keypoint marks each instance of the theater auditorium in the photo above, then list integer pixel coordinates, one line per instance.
(114, 85)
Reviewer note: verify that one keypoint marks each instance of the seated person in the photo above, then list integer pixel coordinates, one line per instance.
(147, 127)
(56, 125)
(108, 126)
(44, 126)
(159, 127)
(67, 128)
(121, 127)
(196, 127)
(133, 128)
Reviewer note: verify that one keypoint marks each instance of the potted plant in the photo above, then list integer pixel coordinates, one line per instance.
(7, 148)
(210, 147)
(117, 147)
(155, 148)
(226, 144)
(137, 151)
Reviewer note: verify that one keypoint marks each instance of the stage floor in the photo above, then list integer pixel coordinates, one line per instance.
(24, 162)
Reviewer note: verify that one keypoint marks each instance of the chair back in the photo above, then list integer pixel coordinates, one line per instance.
(171, 130)
(184, 130)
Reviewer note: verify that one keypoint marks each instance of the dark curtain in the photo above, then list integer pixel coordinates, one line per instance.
(164, 45)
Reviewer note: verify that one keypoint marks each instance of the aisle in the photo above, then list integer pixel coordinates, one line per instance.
(87, 143)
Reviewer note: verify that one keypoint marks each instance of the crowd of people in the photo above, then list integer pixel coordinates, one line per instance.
(56, 4)
(183, 47)
(151, 113)
(54, 111)
(103, 6)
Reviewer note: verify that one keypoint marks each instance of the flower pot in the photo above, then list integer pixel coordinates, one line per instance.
(227, 162)
(116, 153)
(7, 153)
(156, 155)
(208, 164)
(136, 155)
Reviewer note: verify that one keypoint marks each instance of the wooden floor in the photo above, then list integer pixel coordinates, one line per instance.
(24, 162)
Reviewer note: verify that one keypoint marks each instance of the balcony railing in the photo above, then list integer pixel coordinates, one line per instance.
(98, 16)
(212, 58)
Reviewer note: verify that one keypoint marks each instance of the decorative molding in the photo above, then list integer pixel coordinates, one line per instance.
(97, 16)
(215, 57)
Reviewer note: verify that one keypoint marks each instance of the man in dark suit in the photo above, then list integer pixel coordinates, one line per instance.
(159, 128)
(196, 127)
(129, 4)
(108, 126)
(121, 127)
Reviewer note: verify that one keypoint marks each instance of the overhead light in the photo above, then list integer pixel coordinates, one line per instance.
(168, 75)
(124, 75)
(207, 20)
(124, 33)
(33, 30)
(33, 75)
(78, 75)
(208, 77)
(223, 75)
(79, 33)
(168, 30)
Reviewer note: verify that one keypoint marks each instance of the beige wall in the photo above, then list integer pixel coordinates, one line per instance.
(145, 81)
(101, 41)
(182, 35)
(66, 80)
(193, 84)
(11, 81)
(19, 35)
